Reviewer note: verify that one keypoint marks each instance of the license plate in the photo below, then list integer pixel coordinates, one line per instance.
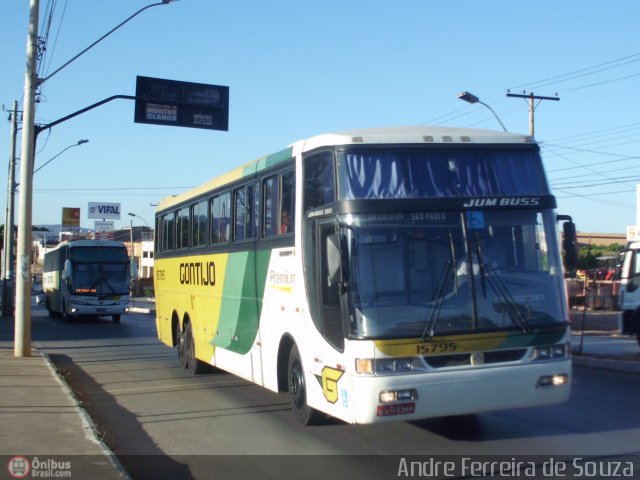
(400, 409)
(101, 310)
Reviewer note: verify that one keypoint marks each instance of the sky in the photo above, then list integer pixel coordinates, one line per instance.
(296, 69)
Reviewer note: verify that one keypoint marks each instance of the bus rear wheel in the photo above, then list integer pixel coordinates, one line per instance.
(187, 352)
(302, 412)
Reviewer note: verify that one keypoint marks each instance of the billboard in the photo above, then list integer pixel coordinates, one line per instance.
(181, 104)
(104, 226)
(70, 217)
(103, 211)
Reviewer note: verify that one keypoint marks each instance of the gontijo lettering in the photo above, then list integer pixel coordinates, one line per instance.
(198, 273)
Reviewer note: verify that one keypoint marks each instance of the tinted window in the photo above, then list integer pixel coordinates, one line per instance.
(319, 181)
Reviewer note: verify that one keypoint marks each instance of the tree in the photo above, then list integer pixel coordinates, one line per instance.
(588, 254)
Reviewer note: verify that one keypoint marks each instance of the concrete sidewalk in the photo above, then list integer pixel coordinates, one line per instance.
(43, 427)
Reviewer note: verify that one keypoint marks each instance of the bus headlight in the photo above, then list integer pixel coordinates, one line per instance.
(389, 366)
(551, 352)
(389, 396)
(553, 380)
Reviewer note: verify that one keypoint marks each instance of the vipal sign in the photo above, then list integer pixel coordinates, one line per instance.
(103, 211)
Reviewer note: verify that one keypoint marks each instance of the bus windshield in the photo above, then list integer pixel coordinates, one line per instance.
(99, 254)
(435, 273)
(100, 278)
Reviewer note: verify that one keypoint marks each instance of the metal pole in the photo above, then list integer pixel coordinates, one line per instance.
(22, 347)
(532, 129)
(7, 260)
(532, 107)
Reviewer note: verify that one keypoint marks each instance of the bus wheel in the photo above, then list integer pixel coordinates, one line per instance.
(180, 346)
(191, 363)
(303, 413)
(116, 318)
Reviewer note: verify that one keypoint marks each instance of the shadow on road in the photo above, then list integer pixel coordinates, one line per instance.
(135, 449)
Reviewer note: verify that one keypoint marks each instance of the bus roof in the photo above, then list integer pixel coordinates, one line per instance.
(390, 135)
(89, 243)
(415, 135)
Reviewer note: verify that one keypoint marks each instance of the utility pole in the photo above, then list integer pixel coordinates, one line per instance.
(22, 347)
(8, 260)
(532, 106)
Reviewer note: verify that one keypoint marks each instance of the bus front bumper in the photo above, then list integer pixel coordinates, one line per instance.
(460, 392)
(81, 310)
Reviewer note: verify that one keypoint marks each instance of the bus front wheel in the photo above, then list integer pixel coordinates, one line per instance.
(303, 413)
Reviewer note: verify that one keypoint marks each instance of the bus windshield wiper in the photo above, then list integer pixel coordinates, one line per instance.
(442, 287)
(102, 280)
(489, 275)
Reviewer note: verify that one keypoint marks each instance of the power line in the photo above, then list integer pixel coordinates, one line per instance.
(586, 167)
(604, 82)
(598, 133)
(535, 84)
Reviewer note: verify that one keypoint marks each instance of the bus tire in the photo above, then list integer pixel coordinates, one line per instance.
(190, 362)
(116, 318)
(180, 346)
(303, 413)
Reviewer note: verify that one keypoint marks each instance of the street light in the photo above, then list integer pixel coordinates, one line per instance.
(40, 81)
(22, 335)
(471, 98)
(80, 142)
(137, 267)
(138, 216)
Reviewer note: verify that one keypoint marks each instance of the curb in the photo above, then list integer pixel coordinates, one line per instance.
(91, 432)
(146, 311)
(607, 364)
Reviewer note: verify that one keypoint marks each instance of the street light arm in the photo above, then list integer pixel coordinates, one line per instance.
(494, 114)
(471, 98)
(40, 81)
(80, 142)
(138, 216)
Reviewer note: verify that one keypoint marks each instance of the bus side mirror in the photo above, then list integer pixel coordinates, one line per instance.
(569, 242)
(334, 258)
(66, 273)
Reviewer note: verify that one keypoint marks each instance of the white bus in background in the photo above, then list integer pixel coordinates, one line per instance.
(629, 294)
(87, 278)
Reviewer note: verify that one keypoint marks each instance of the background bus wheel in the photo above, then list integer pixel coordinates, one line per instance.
(191, 363)
(303, 413)
(115, 318)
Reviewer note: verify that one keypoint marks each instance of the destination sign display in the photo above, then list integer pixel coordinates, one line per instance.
(182, 104)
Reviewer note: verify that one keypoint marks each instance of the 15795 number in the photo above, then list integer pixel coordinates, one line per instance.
(427, 348)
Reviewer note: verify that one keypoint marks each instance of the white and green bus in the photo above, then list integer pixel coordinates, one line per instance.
(374, 275)
(87, 278)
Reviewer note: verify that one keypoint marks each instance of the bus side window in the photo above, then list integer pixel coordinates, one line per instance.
(168, 232)
(182, 227)
(287, 195)
(319, 180)
(220, 206)
(278, 204)
(199, 224)
(270, 206)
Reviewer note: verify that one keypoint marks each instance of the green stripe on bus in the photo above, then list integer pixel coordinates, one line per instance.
(268, 161)
(243, 291)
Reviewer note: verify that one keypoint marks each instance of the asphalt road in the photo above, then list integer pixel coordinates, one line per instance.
(163, 423)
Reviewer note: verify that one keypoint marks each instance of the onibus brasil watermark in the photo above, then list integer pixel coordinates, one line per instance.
(578, 467)
(24, 467)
